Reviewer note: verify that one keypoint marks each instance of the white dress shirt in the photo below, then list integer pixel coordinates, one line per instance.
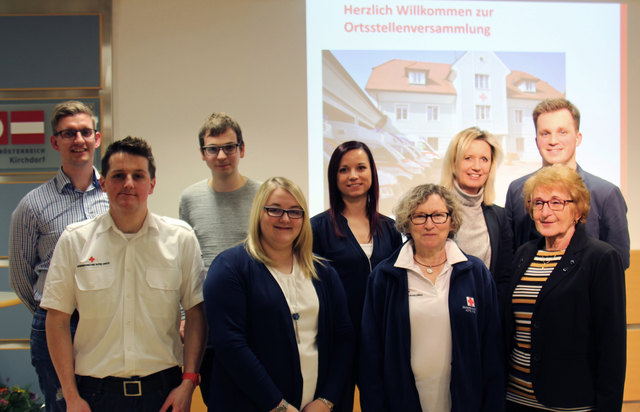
(128, 290)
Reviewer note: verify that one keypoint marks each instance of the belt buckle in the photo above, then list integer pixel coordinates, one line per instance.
(133, 385)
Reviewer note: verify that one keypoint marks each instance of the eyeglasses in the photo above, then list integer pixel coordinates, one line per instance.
(228, 149)
(437, 218)
(554, 204)
(69, 134)
(278, 212)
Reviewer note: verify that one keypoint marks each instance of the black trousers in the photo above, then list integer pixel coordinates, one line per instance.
(139, 394)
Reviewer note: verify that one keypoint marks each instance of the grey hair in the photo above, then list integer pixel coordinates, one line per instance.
(417, 196)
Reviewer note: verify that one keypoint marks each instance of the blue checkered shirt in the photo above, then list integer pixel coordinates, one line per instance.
(37, 223)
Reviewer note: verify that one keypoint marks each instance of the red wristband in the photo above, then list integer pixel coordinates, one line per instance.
(193, 377)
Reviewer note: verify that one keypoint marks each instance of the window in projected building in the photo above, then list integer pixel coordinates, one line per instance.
(416, 77)
(482, 81)
(432, 113)
(517, 115)
(483, 112)
(402, 112)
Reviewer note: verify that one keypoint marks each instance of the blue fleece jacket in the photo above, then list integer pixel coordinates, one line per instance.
(477, 375)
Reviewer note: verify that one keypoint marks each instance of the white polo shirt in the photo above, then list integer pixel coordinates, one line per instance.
(127, 289)
(431, 343)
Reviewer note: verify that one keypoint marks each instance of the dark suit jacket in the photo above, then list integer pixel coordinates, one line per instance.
(578, 328)
(501, 241)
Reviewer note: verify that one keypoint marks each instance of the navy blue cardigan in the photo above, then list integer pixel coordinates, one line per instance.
(348, 259)
(578, 334)
(256, 361)
(477, 375)
(501, 240)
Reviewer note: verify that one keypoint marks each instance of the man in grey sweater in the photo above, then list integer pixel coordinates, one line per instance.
(218, 207)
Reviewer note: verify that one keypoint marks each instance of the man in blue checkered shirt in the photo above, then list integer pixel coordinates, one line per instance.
(72, 195)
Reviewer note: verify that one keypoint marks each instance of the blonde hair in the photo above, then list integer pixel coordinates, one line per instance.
(302, 245)
(456, 150)
(71, 108)
(554, 105)
(560, 177)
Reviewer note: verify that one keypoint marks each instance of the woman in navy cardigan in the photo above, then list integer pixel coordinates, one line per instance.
(566, 322)
(469, 171)
(277, 315)
(351, 234)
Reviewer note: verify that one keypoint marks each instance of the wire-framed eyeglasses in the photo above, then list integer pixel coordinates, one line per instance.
(228, 149)
(70, 134)
(437, 218)
(556, 205)
(278, 212)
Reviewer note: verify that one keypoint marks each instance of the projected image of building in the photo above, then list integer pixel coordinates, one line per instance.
(413, 108)
(432, 101)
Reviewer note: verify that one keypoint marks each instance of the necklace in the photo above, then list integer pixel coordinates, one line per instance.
(546, 260)
(289, 285)
(429, 267)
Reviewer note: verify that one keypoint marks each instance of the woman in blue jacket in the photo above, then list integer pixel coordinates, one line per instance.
(276, 314)
(352, 235)
(469, 172)
(431, 338)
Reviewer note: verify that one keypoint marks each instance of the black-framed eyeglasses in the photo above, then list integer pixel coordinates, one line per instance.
(69, 134)
(556, 205)
(437, 218)
(278, 212)
(228, 149)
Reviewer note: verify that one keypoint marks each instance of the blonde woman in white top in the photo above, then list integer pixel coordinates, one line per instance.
(278, 319)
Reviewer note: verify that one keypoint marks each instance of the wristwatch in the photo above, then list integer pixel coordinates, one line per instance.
(282, 407)
(193, 377)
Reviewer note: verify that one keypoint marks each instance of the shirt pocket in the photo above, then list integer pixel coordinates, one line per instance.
(95, 296)
(163, 294)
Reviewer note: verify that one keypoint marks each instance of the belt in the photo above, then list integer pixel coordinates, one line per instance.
(133, 386)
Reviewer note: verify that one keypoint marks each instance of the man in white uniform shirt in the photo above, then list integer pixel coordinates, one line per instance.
(126, 272)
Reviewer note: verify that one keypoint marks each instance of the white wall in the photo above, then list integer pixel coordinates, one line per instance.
(175, 62)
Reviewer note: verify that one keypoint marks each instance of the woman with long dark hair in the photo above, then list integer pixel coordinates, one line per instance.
(351, 234)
